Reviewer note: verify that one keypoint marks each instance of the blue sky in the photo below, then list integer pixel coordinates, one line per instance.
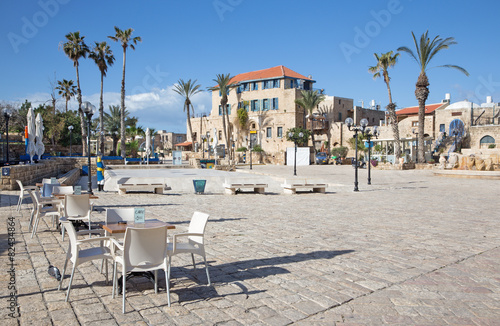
(333, 41)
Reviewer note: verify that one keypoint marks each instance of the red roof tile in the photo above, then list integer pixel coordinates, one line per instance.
(274, 72)
(414, 109)
(184, 144)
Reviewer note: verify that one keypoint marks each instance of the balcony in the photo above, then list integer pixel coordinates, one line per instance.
(319, 124)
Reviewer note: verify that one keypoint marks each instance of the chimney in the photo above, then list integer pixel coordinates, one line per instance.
(447, 98)
(489, 99)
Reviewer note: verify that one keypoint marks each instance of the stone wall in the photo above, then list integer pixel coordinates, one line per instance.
(30, 174)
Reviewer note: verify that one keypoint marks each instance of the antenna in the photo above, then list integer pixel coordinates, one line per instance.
(362, 103)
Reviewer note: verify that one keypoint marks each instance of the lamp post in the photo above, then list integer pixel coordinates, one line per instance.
(295, 140)
(416, 144)
(352, 127)
(89, 110)
(6, 115)
(203, 137)
(70, 128)
(369, 136)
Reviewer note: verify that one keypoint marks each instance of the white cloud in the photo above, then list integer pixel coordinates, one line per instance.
(161, 109)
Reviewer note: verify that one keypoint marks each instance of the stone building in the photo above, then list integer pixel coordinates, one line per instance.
(164, 140)
(269, 97)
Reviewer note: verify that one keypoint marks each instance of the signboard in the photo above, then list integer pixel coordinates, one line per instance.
(177, 157)
(139, 215)
(5, 172)
(371, 144)
(303, 156)
(77, 190)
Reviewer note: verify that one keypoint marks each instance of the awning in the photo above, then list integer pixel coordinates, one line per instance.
(185, 144)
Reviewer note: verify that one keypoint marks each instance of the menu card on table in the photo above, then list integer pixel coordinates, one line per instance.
(77, 190)
(53, 180)
(139, 215)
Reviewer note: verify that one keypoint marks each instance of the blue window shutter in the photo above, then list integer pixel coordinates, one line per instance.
(278, 83)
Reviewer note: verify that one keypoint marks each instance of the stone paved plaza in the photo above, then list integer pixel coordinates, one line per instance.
(411, 249)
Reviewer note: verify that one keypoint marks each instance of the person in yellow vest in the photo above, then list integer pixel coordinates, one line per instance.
(100, 173)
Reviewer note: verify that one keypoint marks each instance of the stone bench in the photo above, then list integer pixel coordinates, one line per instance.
(156, 185)
(230, 185)
(291, 185)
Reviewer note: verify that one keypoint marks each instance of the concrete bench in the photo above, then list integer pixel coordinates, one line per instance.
(156, 185)
(291, 185)
(230, 185)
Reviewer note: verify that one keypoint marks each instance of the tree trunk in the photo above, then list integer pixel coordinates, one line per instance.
(228, 134)
(122, 110)
(312, 137)
(421, 93)
(101, 117)
(223, 103)
(80, 112)
(188, 117)
(391, 108)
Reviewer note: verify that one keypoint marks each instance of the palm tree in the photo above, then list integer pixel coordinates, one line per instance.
(103, 58)
(224, 85)
(309, 101)
(187, 90)
(112, 124)
(124, 37)
(425, 51)
(75, 48)
(66, 90)
(384, 62)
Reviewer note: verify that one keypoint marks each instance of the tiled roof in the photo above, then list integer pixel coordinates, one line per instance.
(274, 72)
(414, 109)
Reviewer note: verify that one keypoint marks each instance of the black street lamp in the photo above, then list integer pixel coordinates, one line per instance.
(70, 128)
(295, 140)
(89, 110)
(455, 134)
(203, 137)
(416, 144)
(6, 115)
(350, 124)
(369, 136)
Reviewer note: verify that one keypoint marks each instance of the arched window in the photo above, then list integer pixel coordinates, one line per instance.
(487, 140)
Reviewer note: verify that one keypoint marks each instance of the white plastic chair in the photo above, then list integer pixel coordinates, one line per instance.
(79, 256)
(42, 208)
(47, 189)
(23, 193)
(143, 249)
(77, 208)
(195, 244)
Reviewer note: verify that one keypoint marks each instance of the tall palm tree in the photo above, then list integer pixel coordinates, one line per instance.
(188, 90)
(310, 101)
(224, 85)
(425, 51)
(103, 58)
(126, 40)
(75, 48)
(384, 62)
(66, 90)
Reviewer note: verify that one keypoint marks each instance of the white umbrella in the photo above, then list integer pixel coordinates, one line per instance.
(148, 143)
(39, 147)
(31, 133)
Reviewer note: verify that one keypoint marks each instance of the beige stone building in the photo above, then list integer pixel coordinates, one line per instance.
(269, 97)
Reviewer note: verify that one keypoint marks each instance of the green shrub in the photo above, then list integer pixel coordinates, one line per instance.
(340, 151)
(492, 145)
(241, 149)
(257, 149)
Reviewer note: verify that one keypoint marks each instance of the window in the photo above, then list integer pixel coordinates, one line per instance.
(276, 83)
(340, 116)
(265, 104)
(487, 140)
(179, 139)
(414, 124)
(269, 132)
(442, 128)
(195, 135)
(228, 106)
(292, 83)
(266, 84)
(255, 86)
(255, 105)
(275, 103)
(280, 132)
(220, 134)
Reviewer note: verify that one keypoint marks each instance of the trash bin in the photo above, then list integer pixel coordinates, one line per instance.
(199, 186)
